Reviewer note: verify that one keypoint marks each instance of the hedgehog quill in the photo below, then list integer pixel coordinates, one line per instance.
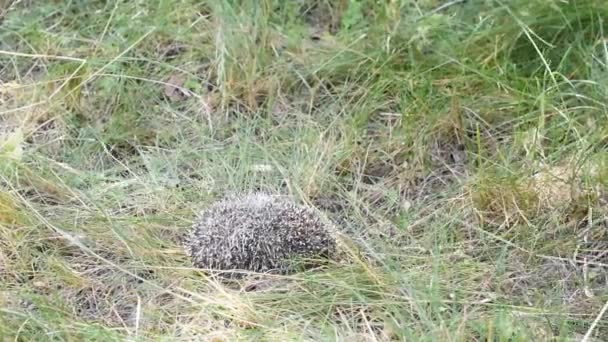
(257, 233)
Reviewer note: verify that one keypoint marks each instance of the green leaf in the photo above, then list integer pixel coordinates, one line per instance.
(11, 145)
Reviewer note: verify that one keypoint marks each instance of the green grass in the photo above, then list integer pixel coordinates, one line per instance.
(463, 149)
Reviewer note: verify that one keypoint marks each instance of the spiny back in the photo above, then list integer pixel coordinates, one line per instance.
(257, 232)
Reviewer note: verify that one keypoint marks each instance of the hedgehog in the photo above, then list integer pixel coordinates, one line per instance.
(258, 232)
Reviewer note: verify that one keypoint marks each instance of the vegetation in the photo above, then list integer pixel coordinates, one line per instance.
(460, 146)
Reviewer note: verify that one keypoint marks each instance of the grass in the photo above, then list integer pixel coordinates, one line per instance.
(462, 148)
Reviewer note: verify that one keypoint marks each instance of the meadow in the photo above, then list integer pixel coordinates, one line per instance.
(460, 146)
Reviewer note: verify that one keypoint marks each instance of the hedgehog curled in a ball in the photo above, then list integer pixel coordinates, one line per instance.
(259, 233)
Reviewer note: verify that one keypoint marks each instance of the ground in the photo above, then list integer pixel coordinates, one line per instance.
(459, 147)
